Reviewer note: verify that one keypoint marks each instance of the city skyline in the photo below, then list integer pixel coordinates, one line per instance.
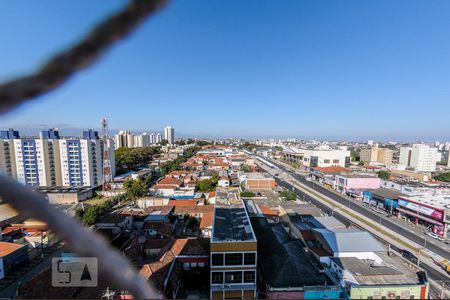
(340, 56)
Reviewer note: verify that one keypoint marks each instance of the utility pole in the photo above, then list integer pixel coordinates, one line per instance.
(106, 168)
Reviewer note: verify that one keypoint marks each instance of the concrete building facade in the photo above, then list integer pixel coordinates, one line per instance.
(169, 134)
(420, 157)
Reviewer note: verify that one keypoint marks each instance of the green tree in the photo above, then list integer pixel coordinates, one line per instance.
(246, 168)
(248, 194)
(164, 142)
(278, 148)
(180, 142)
(136, 188)
(443, 177)
(385, 175)
(288, 195)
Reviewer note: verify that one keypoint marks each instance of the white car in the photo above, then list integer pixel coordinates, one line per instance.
(308, 179)
(434, 236)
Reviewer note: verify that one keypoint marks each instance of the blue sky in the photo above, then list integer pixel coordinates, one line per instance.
(335, 69)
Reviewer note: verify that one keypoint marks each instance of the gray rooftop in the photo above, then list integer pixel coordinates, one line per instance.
(231, 222)
(283, 260)
(348, 240)
(393, 270)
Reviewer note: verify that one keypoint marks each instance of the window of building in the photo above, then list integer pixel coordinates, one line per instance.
(233, 259)
(326, 161)
(233, 277)
(249, 276)
(335, 161)
(217, 259)
(217, 277)
(250, 259)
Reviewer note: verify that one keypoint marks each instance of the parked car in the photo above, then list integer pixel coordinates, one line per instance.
(409, 256)
(434, 236)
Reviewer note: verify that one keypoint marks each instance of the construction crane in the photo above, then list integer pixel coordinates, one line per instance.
(106, 169)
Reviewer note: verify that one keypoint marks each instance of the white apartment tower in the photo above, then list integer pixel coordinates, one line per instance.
(124, 139)
(420, 157)
(158, 138)
(142, 140)
(51, 161)
(169, 134)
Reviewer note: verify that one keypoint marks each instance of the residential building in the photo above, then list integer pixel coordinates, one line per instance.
(376, 154)
(152, 138)
(11, 255)
(169, 134)
(420, 157)
(323, 156)
(158, 138)
(124, 139)
(37, 161)
(54, 161)
(141, 140)
(233, 248)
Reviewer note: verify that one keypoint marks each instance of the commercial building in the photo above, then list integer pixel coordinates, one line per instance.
(356, 184)
(169, 134)
(420, 157)
(233, 248)
(258, 181)
(364, 269)
(319, 157)
(382, 198)
(427, 209)
(376, 154)
(285, 268)
(11, 255)
(54, 161)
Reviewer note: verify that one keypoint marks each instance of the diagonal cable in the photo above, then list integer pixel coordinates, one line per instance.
(60, 68)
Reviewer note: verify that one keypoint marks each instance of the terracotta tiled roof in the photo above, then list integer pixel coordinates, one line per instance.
(212, 194)
(164, 187)
(183, 202)
(8, 248)
(193, 210)
(207, 220)
(169, 181)
(332, 169)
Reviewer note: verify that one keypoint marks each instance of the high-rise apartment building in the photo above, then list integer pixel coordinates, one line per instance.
(376, 154)
(152, 138)
(169, 134)
(420, 157)
(124, 139)
(158, 138)
(52, 161)
(142, 140)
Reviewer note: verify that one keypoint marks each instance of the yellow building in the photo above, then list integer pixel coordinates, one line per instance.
(376, 154)
(233, 249)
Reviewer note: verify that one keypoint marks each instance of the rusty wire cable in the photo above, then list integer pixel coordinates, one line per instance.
(60, 68)
(53, 74)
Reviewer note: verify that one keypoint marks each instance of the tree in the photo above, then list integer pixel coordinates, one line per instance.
(443, 177)
(136, 188)
(278, 148)
(163, 142)
(288, 195)
(180, 142)
(247, 194)
(206, 185)
(246, 168)
(385, 175)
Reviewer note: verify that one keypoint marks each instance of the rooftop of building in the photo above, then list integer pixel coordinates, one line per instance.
(332, 169)
(392, 271)
(257, 176)
(349, 240)
(231, 221)
(282, 259)
(386, 193)
(62, 189)
(8, 248)
(358, 176)
(433, 200)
